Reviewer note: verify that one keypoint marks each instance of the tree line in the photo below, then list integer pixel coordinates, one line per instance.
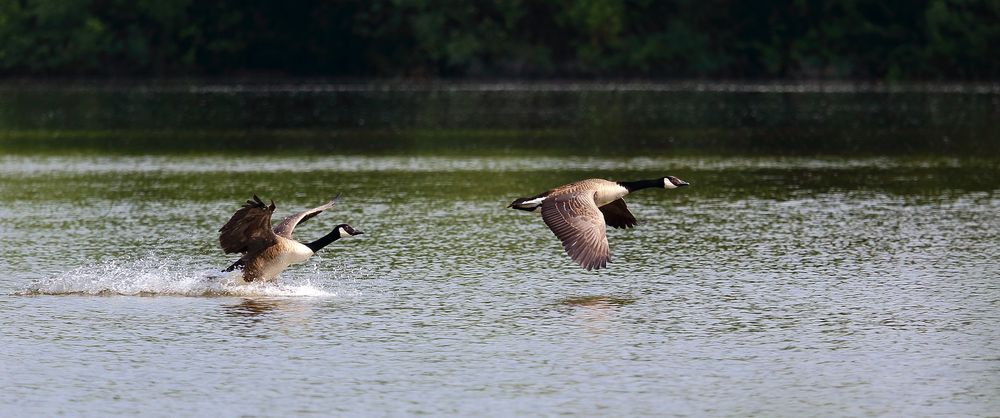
(730, 39)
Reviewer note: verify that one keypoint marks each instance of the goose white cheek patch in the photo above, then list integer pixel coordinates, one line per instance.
(667, 184)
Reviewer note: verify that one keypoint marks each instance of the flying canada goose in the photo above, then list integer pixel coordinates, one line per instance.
(578, 212)
(267, 252)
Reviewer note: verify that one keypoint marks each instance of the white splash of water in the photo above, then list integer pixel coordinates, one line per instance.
(156, 276)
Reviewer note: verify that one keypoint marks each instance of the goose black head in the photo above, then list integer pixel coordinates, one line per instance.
(671, 182)
(345, 230)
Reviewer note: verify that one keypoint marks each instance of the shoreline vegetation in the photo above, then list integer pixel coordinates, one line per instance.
(890, 40)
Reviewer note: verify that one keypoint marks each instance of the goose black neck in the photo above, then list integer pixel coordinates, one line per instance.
(641, 184)
(324, 241)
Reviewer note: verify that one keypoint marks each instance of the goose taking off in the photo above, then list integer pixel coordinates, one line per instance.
(267, 252)
(578, 212)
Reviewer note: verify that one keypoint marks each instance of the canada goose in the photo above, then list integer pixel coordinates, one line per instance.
(578, 212)
(267, 252)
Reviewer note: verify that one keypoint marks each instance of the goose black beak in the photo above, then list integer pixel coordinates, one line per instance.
(358, 232)
(683, 183)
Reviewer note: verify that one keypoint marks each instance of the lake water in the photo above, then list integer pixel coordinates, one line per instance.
(838, 253)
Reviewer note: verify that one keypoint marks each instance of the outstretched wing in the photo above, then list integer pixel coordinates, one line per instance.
(617, 215)
(577, 222)
(288, 224)
(249, 229)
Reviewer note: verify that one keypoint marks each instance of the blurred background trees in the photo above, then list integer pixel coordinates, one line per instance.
(732, 39)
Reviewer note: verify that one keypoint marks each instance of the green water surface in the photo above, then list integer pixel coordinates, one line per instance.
(835, 255)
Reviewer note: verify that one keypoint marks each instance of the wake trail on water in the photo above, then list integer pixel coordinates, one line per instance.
(156, 276)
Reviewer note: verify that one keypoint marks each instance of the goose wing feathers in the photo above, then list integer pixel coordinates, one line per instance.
(575, 219)
(617, 215)
(288, 224)
(249, 229)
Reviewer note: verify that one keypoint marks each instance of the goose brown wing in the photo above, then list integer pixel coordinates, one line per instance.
(616, 214)
(576, 221)
(288, 224)
(249, 229)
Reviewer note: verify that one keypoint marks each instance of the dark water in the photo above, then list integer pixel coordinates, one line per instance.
(843, 278)
(585, 119)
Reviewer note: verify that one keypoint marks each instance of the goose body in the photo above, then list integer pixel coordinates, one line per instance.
(266, 251)
(604, 191)
(578, 213)
(276, 259)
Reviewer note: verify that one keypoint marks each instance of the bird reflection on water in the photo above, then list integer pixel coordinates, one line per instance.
(269, 317)
(595, 311)
(598, 302)
(252, 307)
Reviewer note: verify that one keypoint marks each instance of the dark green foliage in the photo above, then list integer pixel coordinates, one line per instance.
(742, 39)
